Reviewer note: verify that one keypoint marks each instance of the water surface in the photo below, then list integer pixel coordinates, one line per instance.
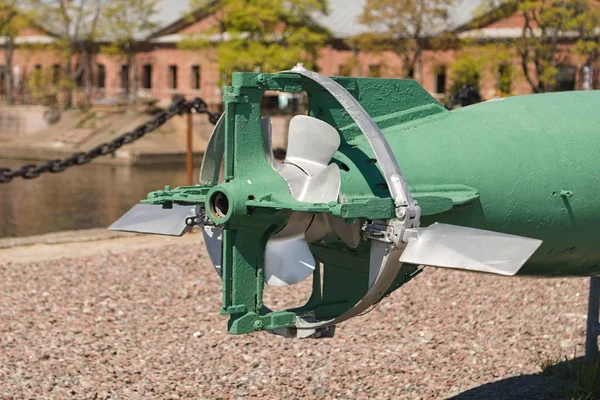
(88, 196)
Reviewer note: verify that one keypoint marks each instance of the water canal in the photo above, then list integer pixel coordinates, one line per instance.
(88, 196)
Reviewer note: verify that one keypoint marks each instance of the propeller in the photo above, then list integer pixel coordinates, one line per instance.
(310, 178)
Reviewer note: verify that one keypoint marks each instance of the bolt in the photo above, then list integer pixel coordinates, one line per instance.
(258, 325)
(261, 79)
(566, 193)
(400, 212)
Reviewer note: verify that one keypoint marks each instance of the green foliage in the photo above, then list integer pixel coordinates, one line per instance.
(39, 86)
(474, 59)
(547, 25)
(11, 22)
(467, 70)
(124, 21)
(261, 35)
(8, 16)
(584, 375)
(403, 26)
(76, 27)
(505, 79)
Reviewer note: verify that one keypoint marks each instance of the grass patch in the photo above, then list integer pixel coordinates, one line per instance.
(87, 118)
(584, 375)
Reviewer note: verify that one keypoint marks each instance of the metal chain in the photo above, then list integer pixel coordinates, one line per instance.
(179, 107)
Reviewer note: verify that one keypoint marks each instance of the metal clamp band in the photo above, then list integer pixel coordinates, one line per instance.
(380, 146)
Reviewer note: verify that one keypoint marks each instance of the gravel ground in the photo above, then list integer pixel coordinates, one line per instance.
(144, 324)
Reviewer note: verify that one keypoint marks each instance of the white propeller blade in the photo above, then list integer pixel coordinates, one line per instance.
(288, 259)
(457, 247)
(310, 177)
(311, 144)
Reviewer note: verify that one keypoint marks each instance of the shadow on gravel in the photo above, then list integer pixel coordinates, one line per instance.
(556, 382)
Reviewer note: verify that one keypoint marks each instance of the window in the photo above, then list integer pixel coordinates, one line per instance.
(38, 68)
(173, 77)
(374, 71)
(147, 77)
(196, 77)
(3, 80)
(55, 74)
(565, 79)
(125, 77)
(101, 76)
(79, 78)
(440, 79)
(411, 73)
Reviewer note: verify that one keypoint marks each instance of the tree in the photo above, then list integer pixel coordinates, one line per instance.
(548, 24)
(10, 23)
(125, 20)
(261, 35)
(75, 24)
(467, 70)
(405, 27)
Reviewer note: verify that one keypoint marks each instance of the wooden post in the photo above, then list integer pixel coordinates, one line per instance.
(593, 327)
(190, 150)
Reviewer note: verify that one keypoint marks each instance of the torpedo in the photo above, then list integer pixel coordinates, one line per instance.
(379, 182)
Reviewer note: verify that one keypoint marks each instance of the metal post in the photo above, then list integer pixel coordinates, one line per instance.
(593, 327)
(190, 150)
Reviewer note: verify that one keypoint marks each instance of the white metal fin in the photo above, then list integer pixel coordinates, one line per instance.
(457, 247)
(288, 259)
(153, 218)
(213, 156)
(311, 144)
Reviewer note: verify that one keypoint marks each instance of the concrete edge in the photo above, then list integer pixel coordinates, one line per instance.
(83, 235)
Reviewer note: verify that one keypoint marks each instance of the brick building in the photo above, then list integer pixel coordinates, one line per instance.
(162, 69)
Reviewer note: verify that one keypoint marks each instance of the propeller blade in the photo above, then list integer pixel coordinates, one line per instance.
(348, 233)
(213, 239)
(457, 247)
(322, 188)
(288, 259)
(267, 133)
(311, 144)
(153, 218)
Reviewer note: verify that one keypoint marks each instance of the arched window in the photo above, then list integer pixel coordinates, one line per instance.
(441, 78)
(565, 79)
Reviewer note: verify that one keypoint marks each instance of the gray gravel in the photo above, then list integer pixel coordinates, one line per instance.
(144, 324)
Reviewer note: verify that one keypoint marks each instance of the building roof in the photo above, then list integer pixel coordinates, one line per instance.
(342, 20)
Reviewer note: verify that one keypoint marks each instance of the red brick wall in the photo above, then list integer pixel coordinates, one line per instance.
(331, 61)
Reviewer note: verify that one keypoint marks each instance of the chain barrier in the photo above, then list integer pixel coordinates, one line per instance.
(179, 107)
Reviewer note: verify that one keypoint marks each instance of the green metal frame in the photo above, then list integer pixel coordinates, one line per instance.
(525, 166)
(260, 201)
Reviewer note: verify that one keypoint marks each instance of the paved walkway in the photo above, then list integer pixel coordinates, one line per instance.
(82, 243)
